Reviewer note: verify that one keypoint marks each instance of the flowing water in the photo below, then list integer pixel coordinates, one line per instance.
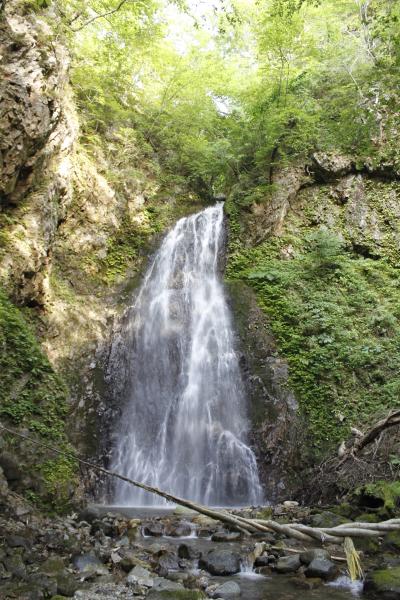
(183, 426)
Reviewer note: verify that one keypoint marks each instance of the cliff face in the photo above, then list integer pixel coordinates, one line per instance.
(320, 257)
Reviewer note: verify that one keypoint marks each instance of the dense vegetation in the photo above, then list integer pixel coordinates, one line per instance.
(34, 397)
(221, 92)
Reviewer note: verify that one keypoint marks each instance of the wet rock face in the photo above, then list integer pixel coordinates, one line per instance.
(30, 83)
(277, 432)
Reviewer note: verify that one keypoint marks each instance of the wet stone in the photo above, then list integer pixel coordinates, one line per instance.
(229, 589)
(181, 530)
(140, 576)
(225, 536)
(321, 567)
(309, 555)
(15, 565)
(162, 584)
(262, 561)
(288, 564)
(89, 563)
(188, 552)
(383, 584)
(221, 562)
(153, 529)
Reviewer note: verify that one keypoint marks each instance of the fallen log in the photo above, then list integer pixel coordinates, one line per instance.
(297, 531)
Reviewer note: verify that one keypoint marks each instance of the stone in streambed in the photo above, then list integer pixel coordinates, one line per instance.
(309, 555)
(153, 529)
(262, 561)
(321, 567)
(161, 584)
(66, 584)
(140, 576)
(15, 565)
(327, 519)
(89, 514)
(188, 552)
(288, 564)
(228, 590)
(221, 562)
(180, 530)
(305, 584)
(226, 536)
(89, 564)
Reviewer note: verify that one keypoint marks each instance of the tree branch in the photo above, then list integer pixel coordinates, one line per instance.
(102, 16)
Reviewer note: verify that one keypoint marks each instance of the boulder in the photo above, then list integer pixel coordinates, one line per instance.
(103, 526)
(226, 536)
(180, 530)
(89, 564)
(15, 565)
(161, 584)
(309, 555)
(153, 529)
(221, 562)
(168, 561)
(321, 567)
(66, 584)
(288, 564)
(383, 584)
(52, 566)
(262, 561)
(89, 514)
(327, 519)
(188, 552)
(229, 589)
(140, 576)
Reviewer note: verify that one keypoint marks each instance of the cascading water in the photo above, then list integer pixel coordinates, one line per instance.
(183, 426)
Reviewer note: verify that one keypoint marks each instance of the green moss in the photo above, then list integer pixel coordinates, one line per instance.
(386, 578)
(34, 397)
(336, 318)
(386, 492)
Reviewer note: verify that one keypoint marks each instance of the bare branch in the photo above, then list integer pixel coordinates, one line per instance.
(102, 16)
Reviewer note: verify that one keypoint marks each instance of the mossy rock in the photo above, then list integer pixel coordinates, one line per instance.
(383, 584)
(382, 497)
(345, 510)
(265, 513)
(368, 518)
(327, 519)
(368, 545)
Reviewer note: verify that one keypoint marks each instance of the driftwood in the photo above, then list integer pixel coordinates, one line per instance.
(297, 531)
(361, 441)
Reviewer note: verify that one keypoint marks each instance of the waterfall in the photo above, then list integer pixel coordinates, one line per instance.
(183, 426)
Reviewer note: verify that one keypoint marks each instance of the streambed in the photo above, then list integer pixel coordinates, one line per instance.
(253, 585)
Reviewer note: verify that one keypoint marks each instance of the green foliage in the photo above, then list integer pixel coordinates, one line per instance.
(387, 492)
(33, 396)
(336, 318)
